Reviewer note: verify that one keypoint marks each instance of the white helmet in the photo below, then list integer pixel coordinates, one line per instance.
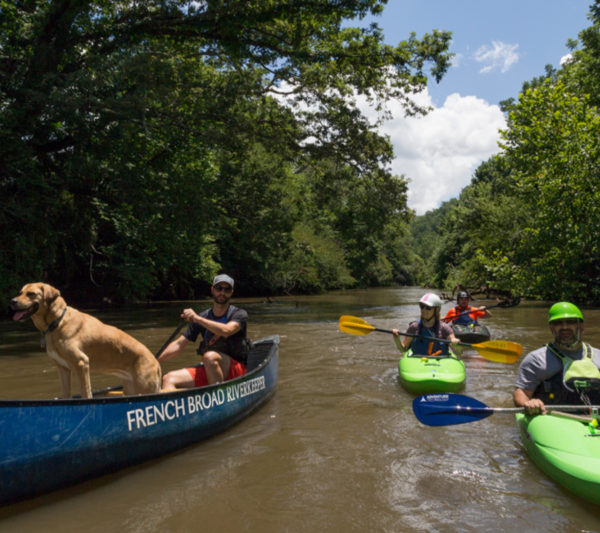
(432, 300)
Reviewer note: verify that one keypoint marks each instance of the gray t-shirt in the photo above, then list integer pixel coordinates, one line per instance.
(541, 364)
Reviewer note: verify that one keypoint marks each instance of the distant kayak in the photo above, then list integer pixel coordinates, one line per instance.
(472, 333)
(565, 449)
(421, 374)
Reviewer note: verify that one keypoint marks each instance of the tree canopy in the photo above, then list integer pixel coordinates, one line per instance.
(144, 146)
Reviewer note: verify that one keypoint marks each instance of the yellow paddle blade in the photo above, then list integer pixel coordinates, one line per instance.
(499, 351)
(353, 320)
(355, 328)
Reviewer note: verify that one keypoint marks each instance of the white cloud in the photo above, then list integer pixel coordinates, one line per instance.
(499, 56)
(439, 152)
(566, 59)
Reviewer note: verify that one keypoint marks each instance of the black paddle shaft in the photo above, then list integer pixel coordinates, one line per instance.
(422, 337)
(505, 304)
(173, 335)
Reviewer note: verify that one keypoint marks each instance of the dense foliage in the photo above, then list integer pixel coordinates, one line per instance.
(144, 146)
(529, 221)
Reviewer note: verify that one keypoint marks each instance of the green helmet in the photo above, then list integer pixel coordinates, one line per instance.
(562, 310)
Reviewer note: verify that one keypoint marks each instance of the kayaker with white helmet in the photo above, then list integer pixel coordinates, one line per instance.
(565, 371)
(429, 325)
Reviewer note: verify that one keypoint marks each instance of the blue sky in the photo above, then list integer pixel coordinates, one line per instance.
(498, 45)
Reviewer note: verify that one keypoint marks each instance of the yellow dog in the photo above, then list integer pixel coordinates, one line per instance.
(79, 343)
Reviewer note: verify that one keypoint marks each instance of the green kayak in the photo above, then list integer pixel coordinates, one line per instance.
(421, 374)
(567, 450)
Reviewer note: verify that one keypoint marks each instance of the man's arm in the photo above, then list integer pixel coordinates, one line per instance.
(220, 329)
(484, 312)
(217, 328)
(451, 315)
(173, 349)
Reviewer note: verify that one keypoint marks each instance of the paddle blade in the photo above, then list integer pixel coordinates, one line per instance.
(446, 409)
(509, 303)
(355, 328)
(499, 351)
(353, 320)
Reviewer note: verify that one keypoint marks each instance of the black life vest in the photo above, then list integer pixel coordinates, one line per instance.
(578, 376)
(236, 346)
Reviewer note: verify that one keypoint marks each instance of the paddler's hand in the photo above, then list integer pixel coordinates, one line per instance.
(398, 340)
(454, 344)
(534, 406)
(189, 315)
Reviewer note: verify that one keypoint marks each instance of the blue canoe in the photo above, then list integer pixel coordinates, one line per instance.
(50, 444)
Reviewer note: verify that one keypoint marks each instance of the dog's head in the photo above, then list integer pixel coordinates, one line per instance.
(33, 298)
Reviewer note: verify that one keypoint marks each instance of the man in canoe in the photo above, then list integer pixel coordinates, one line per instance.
(429, 325)
(224, 346)
(565, 371)
(464, 313)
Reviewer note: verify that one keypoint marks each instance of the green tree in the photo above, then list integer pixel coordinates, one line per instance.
(582, 73)
(553, 145)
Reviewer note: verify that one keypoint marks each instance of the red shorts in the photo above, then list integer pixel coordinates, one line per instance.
(198, 373)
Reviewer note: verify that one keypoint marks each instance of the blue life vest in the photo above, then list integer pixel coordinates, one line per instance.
(422, 346)
(465, 319)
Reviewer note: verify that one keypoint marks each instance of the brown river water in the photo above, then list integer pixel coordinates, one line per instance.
(336, 449)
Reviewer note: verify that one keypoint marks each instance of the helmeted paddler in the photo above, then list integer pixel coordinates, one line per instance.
(564, 371)
(428, 327)
(464, 313)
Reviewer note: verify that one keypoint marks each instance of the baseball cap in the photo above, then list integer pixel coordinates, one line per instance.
(224, 278)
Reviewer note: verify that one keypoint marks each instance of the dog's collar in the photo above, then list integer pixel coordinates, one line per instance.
(52, 327)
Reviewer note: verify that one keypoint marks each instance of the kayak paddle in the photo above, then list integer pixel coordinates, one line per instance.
(447, 409)
(504, 304)
(497, 351)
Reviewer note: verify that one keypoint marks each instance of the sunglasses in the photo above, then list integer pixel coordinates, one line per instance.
(225, 288)
(568, 321)
(423, 306)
